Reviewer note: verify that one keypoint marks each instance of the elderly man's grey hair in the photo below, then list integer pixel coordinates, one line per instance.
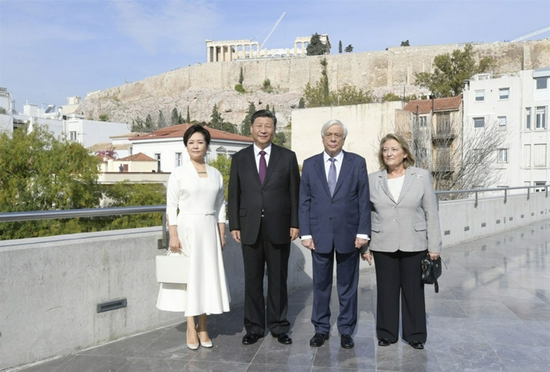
(332, 122)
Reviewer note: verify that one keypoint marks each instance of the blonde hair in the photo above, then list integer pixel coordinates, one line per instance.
(409, 159)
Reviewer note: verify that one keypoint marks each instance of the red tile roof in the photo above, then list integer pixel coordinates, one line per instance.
(177, 131)
(137, 157)
(439, 104)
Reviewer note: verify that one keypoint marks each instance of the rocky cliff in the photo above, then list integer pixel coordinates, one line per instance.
(200, 86)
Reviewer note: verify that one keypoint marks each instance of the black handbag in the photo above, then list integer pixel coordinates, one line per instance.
(431, 270)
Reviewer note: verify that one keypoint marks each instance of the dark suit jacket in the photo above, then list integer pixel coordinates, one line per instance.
(335, 220)
(278, 196)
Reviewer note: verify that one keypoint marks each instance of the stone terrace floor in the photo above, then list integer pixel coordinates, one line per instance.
(492, 314)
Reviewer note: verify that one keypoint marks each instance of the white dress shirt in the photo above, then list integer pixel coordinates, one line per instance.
(257, 155)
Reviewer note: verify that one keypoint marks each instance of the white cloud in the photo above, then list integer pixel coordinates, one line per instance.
(177, 26)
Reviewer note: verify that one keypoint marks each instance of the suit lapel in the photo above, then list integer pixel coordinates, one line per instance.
(273, 160)
(407, 183)
(383, 179)
(320, 169)
(251, 164)
(344, 171)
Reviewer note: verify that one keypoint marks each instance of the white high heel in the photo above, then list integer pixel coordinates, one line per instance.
(207, 344)
(193, 346)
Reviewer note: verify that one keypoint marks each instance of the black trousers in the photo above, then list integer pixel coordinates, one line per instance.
(275, 257)
(399, 277)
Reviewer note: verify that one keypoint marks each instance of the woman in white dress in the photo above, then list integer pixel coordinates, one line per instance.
(195, 209)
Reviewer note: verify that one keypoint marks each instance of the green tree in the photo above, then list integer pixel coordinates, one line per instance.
(188, 118)
(216, 119)
(161, 123)
(405, 43)
(451, 70)
(103, 117)
(175, 118)
(247, 121)
(137, 124)
(316, 47)
(302, 103)
(228, 127)
(349, 48)
(279, 138)
(241, 76)
(340, 47)
(266, 86)
(148, 126)
(223, 164)
(320, 94)
(40, 172)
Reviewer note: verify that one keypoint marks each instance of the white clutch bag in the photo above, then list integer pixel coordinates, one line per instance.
(172, 268)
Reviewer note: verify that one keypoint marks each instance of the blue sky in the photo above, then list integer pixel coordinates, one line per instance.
(53, 49)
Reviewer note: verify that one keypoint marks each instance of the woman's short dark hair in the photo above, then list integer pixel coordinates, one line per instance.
(196, 128)
(407, 162)
(264, 114)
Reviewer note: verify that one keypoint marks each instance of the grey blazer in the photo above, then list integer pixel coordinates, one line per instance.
(409, 224)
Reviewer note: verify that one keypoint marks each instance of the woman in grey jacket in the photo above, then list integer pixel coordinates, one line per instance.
(405, 225)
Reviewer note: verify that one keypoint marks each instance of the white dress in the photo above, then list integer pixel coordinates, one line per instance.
(201, 206)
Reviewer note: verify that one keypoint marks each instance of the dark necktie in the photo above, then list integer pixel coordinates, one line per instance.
(263, 166)
(332, 176)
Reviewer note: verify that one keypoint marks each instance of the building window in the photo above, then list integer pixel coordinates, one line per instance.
(528, 118)
(504, 93)
(502, 156)
(527, 156)
(542, 82)
(422, 120)
(540, 183)
(502, 121)
(72, 135)
(157, 156)
(479, 122)
(480, 95)
(178, 159)
(539, 156)
(541, 117)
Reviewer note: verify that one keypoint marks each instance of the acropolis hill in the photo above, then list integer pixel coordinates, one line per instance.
(200, 86)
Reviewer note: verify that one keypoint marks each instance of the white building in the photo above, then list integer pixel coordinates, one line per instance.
(518, 104)
(166, 145)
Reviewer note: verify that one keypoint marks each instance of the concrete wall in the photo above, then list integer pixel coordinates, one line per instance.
(366, 125)
(50, 287)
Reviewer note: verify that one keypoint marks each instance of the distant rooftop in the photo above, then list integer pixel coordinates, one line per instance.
(177, 131)
(424, 106)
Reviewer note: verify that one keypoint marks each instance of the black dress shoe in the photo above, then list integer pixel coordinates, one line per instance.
(383, 342)
(417, 345)
(318, 339)
(346, 341)
(283, 338)
(250, 338)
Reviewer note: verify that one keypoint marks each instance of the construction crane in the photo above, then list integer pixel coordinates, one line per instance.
(270, 32)
(531, 34)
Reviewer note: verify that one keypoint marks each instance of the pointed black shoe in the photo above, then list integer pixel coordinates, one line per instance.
(346, 341)
(417, 345)
(318, 339)
(383, 342)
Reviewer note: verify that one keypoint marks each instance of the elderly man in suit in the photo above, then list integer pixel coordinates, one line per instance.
(263, 216)
(334, 220)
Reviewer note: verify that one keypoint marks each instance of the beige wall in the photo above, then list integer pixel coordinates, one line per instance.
(366, 124)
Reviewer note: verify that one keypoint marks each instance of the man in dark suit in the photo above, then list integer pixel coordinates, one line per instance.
(334, 220)
(263, 197)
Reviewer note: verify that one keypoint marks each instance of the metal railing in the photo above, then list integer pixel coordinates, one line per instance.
(97, 212)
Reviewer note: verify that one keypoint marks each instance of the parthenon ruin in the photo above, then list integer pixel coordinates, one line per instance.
(231, 50)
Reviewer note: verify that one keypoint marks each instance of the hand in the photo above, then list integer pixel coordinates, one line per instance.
(308, 243)
(367, 257)
(174, 244)
(294, 233)
(433, 256)
(359, 242)
(222, 241)
(236, 234)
